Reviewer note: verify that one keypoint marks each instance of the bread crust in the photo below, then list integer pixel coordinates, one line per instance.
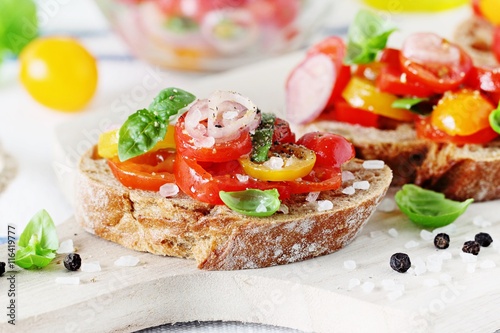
(460, 172)
(216, 237)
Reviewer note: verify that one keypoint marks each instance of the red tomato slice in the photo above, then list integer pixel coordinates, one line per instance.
(426, 130)
(335, 48)
(391, 78)
(331, 150)
(145, 172)
(282, 132)
(344, 112)
(220, 152)
(434, 61)
(320, 179)
(496, 42)
(485, 79)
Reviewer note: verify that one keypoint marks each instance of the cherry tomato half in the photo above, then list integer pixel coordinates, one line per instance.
(58, 72)
(485, 79)
(425, 130)
(145, 172)
(331, 150)
(220, 152)
(434, 61)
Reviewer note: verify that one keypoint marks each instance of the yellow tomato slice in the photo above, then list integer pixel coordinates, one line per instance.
(463, 112)
(363, 94)
(491, 10)
(107, 146)
(289, 162)
(417, 6)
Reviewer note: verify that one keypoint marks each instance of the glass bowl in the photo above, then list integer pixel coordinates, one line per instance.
(213, 35)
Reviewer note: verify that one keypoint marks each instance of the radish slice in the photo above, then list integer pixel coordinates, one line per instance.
(429, 48)
(309, 87)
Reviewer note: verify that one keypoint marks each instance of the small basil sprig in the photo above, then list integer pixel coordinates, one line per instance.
(38, 242)
(145, 128)
(367, 36)
(495, 119)
(252, 202)
(262, 138)
(428, 208)
(421, 106)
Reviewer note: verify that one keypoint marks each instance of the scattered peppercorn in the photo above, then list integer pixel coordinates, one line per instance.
(2, 268)
(483, 239)
(471, 247)
(72, 262)
(400, 262)
(442, 241)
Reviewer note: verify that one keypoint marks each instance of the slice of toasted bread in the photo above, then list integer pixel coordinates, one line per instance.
(460, 172)
(215, 236)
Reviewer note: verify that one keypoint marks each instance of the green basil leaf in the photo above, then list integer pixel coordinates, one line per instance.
(252, 202)
(169, 102)
(38, 242)
(367, 36)
(495, 119)
(428, 208)
(18, 24)
(407, 103)
(139, 134)
(421, 106)
(262, 138)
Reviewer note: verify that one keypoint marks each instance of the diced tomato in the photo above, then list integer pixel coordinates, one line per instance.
(145, 172)
(220, 152)
(335, 48)
(393, 80)
(282, 132)
(434, 61)
(331, 150)
(496, 42)
(425, 130)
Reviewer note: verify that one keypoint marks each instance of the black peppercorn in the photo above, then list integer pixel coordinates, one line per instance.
(72, 262)
(442, 241)
(400, 262)
(2, 268)
(483, 239)
(471, 247)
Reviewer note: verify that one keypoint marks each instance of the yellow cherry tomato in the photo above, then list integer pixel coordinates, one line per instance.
(58, 72)
(287, 163)
(490, 10)
(416, 5)
(363, 94)
(463, 112)
(107, 146)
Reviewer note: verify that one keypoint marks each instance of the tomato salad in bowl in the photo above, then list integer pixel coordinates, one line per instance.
(429, 82)
(223, 146)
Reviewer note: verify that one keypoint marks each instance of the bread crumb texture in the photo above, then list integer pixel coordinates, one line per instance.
(216, 237)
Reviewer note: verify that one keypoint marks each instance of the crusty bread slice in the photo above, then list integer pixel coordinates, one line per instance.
(216, 237)
(460, 172)
(475, 36)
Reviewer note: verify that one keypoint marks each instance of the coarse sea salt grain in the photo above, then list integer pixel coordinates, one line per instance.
(361, 185)
(468, 257)
(274, 163)
(347, 175)
(387, 205)
(349, 190)
(169, 190)
(487, 264)
(66, 247)
(312, 196)
(481, 222)
(411, 244)
(91, 267)
(368, 287)
(350, 265)
(242, 178)
(430, 282)
(353, 283)
(324, 205)
(284, 209)
(393, 232)
(426, 235)
(72, 280)
(127, 261)
(373, 164)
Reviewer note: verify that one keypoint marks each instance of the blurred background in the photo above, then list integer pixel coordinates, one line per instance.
(63, 62)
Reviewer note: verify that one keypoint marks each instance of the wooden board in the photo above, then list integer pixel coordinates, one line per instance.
(312, 295)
